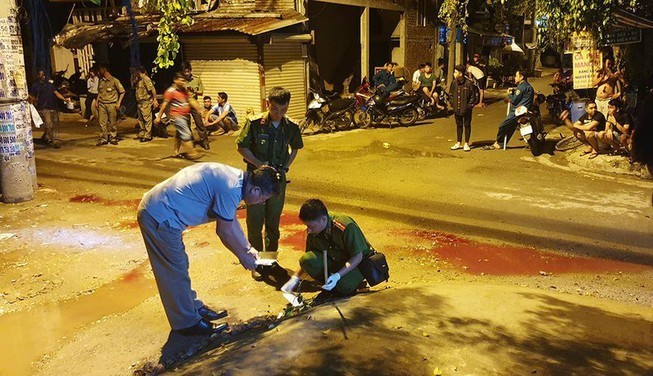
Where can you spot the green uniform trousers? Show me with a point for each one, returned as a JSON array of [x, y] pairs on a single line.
[[108, 116], [268, 213], [312, 263], [145, 119]]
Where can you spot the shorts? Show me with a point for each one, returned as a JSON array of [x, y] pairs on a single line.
[[182, 125], [482, 83]]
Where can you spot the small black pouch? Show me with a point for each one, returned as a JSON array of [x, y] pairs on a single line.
[[375, 268]]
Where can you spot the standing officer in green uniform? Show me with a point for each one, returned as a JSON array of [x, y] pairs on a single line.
[[145, 99], [110, 94], [271, 140], [195, 88], [344, 242]]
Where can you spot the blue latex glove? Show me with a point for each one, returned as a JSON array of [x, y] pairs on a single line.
[[331, 282]]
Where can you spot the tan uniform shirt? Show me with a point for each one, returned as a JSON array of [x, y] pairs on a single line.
[[144, 89], [195, 86], [109, 89]]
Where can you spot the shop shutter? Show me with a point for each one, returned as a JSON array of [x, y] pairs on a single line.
[[285, 66], [228, 67]]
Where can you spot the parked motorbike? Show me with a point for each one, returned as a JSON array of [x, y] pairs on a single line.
[[531, 129], [401, 108], [426, 110], [328, 113]]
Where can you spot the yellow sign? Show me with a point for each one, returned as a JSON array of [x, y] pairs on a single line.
[[587, 63]]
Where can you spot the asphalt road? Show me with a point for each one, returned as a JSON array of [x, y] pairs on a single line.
[[407, 175]]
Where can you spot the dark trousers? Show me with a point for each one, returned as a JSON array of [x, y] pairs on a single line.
[[88, 104], [463, 121], [507, 128], [268, 214], [199, 125]]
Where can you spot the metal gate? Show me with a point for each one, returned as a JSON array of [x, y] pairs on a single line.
[[229, 67], [286, 67]]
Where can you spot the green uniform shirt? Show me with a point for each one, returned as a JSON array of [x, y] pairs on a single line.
[[270, 144], [109, 89], [144, 89], [195, 86], [342, 239]]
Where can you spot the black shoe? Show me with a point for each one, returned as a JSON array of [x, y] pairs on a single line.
[[54, 145], [146, 139], [211, 315], [113, 141], [257, 275], [205, 145], [101, 142], [202, 328]]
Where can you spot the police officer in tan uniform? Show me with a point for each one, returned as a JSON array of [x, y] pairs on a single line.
[[110, 95], [145, 99], [196, 89]]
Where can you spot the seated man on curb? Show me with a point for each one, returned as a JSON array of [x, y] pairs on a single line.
[[222, 115], [587, 127], [618, 127], [344, 243]]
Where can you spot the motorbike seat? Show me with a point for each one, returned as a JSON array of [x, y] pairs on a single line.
[[403, 100]]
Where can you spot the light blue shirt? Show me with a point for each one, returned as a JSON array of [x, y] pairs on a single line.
[[197, 194], [226, 107]]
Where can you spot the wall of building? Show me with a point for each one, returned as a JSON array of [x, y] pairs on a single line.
[[420, 40]]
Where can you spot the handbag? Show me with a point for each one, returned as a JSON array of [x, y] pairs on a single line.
[[375, 268]]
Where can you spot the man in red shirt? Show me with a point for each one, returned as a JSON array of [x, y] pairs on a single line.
[[176, 101]]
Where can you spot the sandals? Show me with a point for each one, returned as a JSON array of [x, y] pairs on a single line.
[[593, 155], [489, 147]]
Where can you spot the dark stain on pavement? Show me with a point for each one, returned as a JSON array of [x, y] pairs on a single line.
[[93, 199], [479, 258]]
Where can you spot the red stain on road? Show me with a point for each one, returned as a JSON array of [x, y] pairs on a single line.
[[296, 239], [128, 224], [86, 199], [93, 199], [133, 275], [478, 258]]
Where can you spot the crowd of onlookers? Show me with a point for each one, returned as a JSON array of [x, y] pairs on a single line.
[[607, 123], [104, 101]]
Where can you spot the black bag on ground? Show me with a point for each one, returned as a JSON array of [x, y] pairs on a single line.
[[375, 268]]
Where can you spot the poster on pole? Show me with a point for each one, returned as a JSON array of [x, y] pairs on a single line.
[[586, 64]]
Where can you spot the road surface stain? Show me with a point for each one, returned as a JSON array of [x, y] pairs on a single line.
[[481, 258], [93, 199], [30, 335]]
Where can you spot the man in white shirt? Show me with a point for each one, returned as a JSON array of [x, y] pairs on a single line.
[[479, 78], [91, 94], [416, 75]]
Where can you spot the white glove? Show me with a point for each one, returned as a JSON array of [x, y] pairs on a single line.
[[331, 282], [290, 285]]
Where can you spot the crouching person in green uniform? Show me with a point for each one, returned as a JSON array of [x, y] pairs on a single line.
[[344, 242]]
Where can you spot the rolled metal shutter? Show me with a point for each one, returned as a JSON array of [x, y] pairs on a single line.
[[285, 67], [228, 67]]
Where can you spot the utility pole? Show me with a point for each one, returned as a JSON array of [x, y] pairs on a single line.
[[17, 166]]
